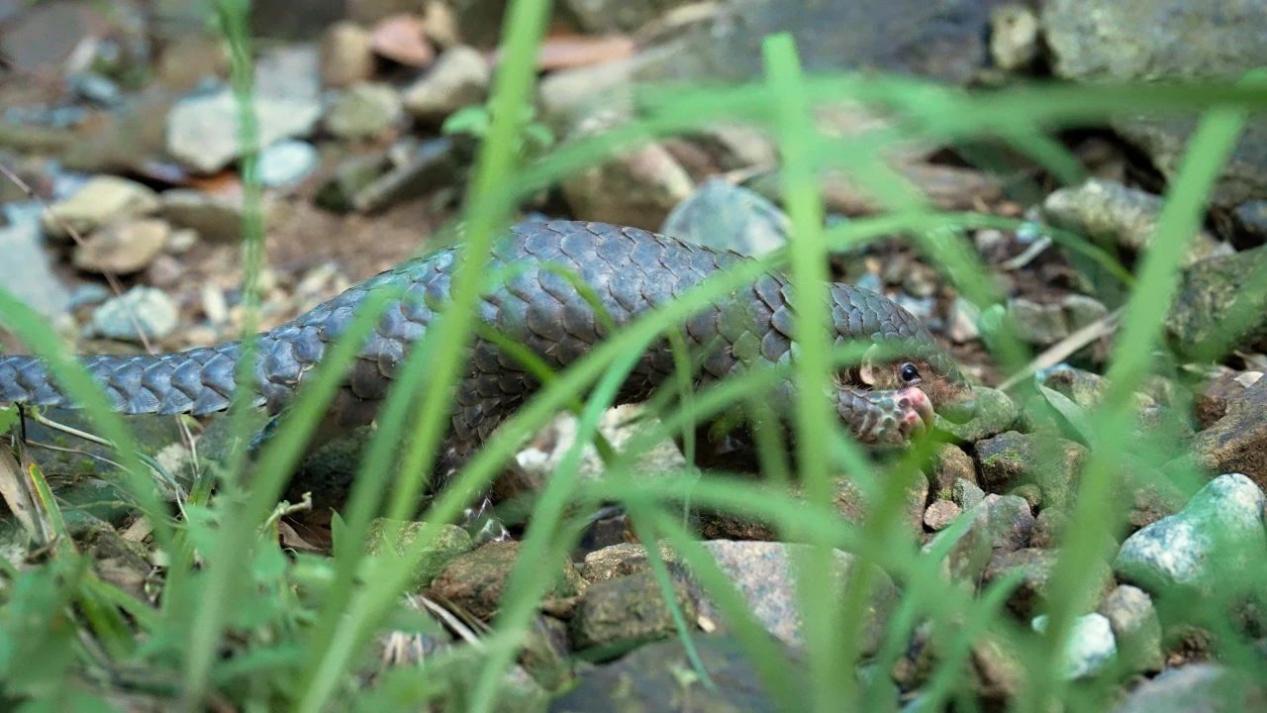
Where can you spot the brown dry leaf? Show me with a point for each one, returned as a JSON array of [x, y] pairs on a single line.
[[14, 491], [292, 539], [402, 39]]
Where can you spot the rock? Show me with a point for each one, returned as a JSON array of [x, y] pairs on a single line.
[[1038, 324], [568, 97], [638, 188], [287, 163], [1169, 40], [1238, 441], [944, 41], [966, 494], [763, 573], [951, 465], [1135, 627], [27, 268], [1224, 388], [364, 110], [403, 39], [964, 318], [1084, 388], [995, 414], [1081, 311], [1219, 532], [1195, 688], [353, 175], [654, 678], [202, 131], [999, 668], [1207, 292], [446, 542], [347, 54], [1049, 527], [148, 309], [1035, 567], [474, 580], [1090, 647], [452, 678], [100, 201], [1251, 219], [941, 514], [618, 561], [1012, 458], [1009, 520], [433, 164], [215, 218], [122, 248], [1013, 37], [851, 500], [626, 610], [727, 217], [1110, 211], [459, 78]]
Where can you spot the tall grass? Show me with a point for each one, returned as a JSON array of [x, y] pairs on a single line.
[[238, 622]]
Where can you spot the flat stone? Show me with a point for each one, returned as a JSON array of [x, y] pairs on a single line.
[[1219, 531], [122, 248], [727, 217], [141, 310], [287, 163], [27, 268], [1010, 459], [215, 218], [460, 77], [202, 131], [763, 573], [1208, 292], [1195, 688], [100, 201]]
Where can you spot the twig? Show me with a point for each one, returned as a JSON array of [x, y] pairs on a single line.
[[1061, 350]]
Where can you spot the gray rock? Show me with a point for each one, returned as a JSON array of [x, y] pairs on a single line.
[[963, 320], [350, 177], [996, 413], [100, 201], [460, 77], [1012, 458], [763, 573], [1219, 532], [945, 40], [1081, 311], [1135, 627], [140, 310], [202, 131], [1211, 290], [474, 580], [215, 218], [1038, 324], [951, 465], [1010, 521], [364, 110], [1195, 688], [638, 188], [347, 54], [1094, 40], [1013, 37], [728, 217], [1110, 211], [1251, 218], [123, 248], [1090, 648], [286, 163], [652, 679], [626, 610], [967, 494], [27, 268]]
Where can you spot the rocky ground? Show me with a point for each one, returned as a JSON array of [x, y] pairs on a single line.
[[123, 211]]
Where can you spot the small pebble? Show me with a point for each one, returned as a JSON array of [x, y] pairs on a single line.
[[940, 515]]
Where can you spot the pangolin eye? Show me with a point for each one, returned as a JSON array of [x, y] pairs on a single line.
[[909, 373]]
